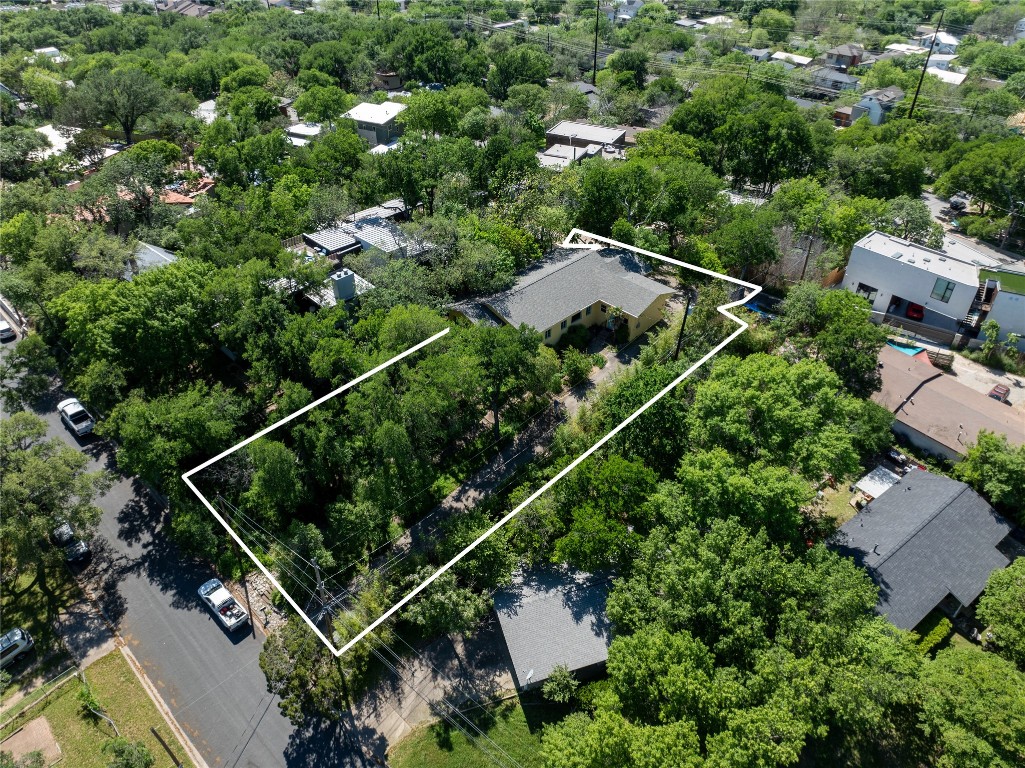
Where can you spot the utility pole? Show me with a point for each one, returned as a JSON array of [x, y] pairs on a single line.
[[379, 10], [597, 16], [925, 66], [321, 591], [811, 241], [683, 324]]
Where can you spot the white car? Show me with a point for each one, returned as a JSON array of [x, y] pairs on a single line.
[[219, 600], [6, 332], [76, 417]]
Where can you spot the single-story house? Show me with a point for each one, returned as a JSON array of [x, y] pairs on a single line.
[[950, 78], [824, 78], [51, 53], [843, 116], [577, 286], [928, 542], [387, 80], [790, 60], [906, 49], [551, 618], [690, 24], [574, 134], [59, 138], [942, 60], [376, 122], [206, 111], [342, 285], [716, 21], [757, 54], [934, 411]]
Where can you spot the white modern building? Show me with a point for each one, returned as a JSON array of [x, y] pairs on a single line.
[[376, 122], [916, 287], [1005, 297], [944, 42]]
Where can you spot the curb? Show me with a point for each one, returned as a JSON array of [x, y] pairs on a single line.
[[158, 702]]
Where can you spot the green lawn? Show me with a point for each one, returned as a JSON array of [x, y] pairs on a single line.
[[513, 727], [34, 606], [118, 690]]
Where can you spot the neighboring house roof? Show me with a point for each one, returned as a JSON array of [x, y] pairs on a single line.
[[889, 95], [550, 618], [953, 264], [877, 482], [793, 58], [147, 257], [825, 74], [382, 234], [906, 48], [332, 240], [389, 209], [570, 279], [926, 537], [585, 88], [714, 20], [375, 114], [938, 406], [803, 103], [847, 49], [59, 138], [942, 38], [476, 312], [688, 23], [951, 78], [592, 134]]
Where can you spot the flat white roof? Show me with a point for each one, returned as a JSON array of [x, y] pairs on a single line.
[[593, 134], [951, 78], [300, 130], [906, 48], [952, 265], [375, 114], [793, 58], [726, 20]]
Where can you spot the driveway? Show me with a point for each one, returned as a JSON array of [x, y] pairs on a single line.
[[936, 205], [210, 681]]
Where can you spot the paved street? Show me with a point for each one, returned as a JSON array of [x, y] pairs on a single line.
[[211, 681]]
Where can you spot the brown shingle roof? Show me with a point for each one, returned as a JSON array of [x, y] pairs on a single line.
[[937, 405]]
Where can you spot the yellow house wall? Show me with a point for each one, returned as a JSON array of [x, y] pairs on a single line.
[[648, 318]]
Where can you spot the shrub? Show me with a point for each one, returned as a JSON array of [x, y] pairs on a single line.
[[575, 365], [560, 686], [935, 636]]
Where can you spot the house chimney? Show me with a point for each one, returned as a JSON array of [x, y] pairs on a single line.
[[343, 284]]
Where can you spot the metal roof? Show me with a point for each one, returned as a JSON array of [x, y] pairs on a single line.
[[554, 617], [926, 537], [332, 240], [595, 134], [570, 279], [876, 482]]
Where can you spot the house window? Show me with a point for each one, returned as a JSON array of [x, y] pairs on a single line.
[[563, 325], [942, 289], [548, 333], [575, 317], [867, 292], [587, 311], [604, 308]]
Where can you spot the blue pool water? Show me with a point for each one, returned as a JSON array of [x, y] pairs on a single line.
[[905, 348]]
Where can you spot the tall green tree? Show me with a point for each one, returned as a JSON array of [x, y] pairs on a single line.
[[1002, 609]]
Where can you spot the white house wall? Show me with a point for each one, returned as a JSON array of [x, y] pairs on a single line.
[[1009, 312], [891, 277]]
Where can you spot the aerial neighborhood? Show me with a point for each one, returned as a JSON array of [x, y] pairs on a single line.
[[616, 384]]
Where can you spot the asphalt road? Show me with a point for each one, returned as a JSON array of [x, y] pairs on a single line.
[[210, 680]]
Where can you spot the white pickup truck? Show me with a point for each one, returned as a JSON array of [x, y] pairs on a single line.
[[219, 599]]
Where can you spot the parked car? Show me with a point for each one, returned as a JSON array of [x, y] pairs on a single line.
[[958, 203], [13, 645], [225, 608], [75, 549], [915, 311], [76, 417], [1000, 392], [6, 332]]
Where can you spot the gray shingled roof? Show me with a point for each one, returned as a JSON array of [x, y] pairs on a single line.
[[927, 536], [554, 617], [569, 279]]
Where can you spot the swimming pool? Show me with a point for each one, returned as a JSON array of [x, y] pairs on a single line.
[[907, 350]]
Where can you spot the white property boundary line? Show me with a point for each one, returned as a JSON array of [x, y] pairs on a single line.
[[568, 242]]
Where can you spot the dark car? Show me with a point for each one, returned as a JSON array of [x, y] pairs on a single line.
[[915, 311], [958, 204], [75, 549]]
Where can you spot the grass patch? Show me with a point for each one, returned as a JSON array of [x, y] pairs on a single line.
[[118, 690], [512, 725], [837, 504], [35, 606]]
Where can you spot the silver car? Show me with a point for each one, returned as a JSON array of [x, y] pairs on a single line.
[[6, 332], [76, 417]]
